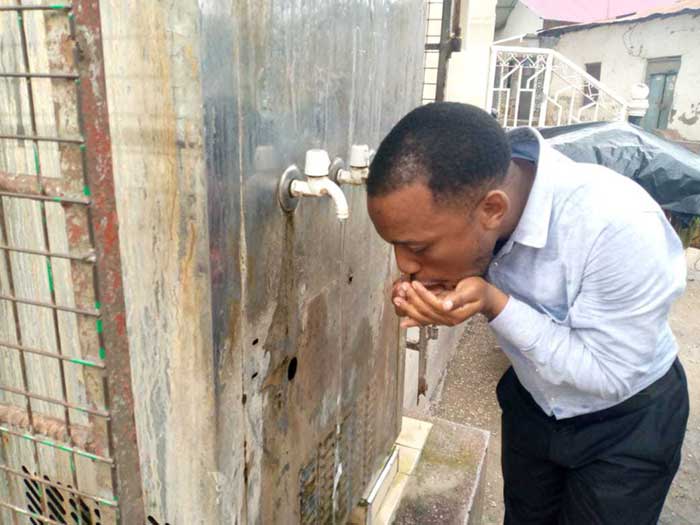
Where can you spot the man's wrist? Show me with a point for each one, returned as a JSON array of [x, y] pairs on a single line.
[[495, 302]]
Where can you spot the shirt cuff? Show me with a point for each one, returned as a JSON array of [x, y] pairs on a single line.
[[520, 324]]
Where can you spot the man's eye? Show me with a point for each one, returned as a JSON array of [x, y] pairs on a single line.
[[418, 249]]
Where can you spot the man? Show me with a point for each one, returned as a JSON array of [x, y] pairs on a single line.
[[575, 267]]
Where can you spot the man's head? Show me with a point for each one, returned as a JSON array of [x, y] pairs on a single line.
[[435, 191]]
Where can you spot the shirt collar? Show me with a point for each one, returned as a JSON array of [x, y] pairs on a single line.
[[533, 228]]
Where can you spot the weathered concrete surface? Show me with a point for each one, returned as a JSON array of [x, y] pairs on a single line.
[[268, 333], [446, 486]]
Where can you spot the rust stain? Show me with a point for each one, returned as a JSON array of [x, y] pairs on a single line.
[[98, 157], [76, 230], [120, 324], [109, 231], [55, 428]]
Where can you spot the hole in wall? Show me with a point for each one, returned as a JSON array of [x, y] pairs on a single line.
[[244, 399], [292, 368], [350, 278], [256, 341], [254, 375]]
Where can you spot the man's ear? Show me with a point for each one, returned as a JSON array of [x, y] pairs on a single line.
[[492, 209]]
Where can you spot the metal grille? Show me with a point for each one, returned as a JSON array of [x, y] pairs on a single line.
[[61, 506], [342, 462], [324, 484], [67, 449]]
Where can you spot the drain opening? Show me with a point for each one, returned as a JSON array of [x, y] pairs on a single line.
[[153, 521], [60, 506]]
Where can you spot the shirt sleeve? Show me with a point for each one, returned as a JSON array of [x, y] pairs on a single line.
[[614, 326]]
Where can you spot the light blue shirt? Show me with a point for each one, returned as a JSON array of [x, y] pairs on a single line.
[[591, 270]]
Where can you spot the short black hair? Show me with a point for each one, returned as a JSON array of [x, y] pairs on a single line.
[[456, 149]]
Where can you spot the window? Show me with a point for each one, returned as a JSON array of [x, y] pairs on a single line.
[[661, 79]]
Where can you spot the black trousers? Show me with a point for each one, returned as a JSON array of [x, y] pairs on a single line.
[[609, 467]]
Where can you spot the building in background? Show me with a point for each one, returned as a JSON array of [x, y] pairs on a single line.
[[658, 47], [619, 44], [515, 18]]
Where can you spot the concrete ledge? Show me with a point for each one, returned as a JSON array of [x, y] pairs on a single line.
[[447, 485]]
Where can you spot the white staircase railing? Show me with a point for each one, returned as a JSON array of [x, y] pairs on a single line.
[[539, 87]]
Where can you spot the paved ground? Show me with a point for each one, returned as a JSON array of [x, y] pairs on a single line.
[[468, 396]]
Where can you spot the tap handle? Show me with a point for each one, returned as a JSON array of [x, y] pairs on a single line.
[[317, 163], [359, 156]]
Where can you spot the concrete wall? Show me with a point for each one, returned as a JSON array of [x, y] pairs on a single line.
[[624, 49], [159, 169], [522, 20]]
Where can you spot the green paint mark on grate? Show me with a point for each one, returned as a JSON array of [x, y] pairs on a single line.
[[83, 147], [97, 305], [28, 513], [59, 6], [57, 199], [49, 271], [86, 190], [83, 362], [98, 325], [87, 455], [103, 353], [108, 502], [37, 164]]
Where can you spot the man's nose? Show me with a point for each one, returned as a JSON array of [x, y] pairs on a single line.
[[406, 261]]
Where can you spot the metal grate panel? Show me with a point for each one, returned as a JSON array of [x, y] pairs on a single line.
[[67, 452], [343, 461], [63, 506]]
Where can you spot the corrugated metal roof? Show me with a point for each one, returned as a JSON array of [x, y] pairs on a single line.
[[677, 8], [588, 11]]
